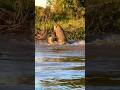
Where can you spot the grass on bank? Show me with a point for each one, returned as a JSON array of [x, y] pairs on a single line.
[[66, 24], [74, 29]]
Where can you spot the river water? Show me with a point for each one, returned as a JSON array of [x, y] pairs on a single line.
[[59, 67]]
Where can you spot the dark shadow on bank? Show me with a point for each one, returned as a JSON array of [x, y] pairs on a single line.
[[16, 45], [102, 48]]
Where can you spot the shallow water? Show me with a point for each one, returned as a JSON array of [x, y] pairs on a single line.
[[59, 68]]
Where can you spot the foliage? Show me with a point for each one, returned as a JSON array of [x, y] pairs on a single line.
[[102, 16], [70, 8], [69, 13], [74, 29]]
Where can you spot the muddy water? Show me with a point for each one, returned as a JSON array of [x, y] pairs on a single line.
[[59, 67], [16, 65]]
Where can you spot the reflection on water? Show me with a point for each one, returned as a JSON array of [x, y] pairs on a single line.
[[59, 70]]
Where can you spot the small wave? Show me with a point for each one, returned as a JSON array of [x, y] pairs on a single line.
[[82, 42], [79, 43]]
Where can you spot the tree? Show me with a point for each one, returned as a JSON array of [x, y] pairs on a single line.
[[70, 8]]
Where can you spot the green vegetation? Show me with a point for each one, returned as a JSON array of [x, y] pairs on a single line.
[[102, 17], [17, 16], [69, 13]]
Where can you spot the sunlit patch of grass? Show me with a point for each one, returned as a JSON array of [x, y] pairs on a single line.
[[73, 24], [66, 24], [44, 25], [73, 29]]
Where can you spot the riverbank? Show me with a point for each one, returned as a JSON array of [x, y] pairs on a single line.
[[71, 31]]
